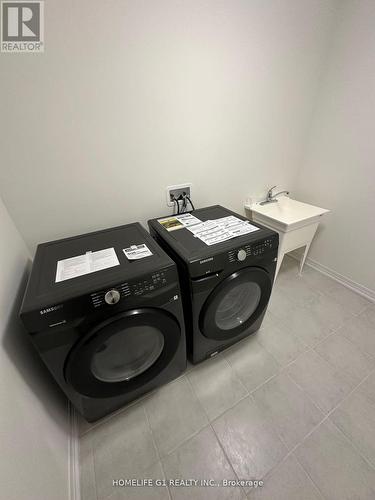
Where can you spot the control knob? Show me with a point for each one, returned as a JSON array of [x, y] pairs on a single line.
[[241, 255], [112, 296]]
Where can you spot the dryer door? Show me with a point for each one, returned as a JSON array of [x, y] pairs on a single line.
[[235, 303], [123, 353]]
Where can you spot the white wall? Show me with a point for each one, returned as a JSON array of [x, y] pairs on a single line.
[[339, 167], [33, 417], [132, 96]]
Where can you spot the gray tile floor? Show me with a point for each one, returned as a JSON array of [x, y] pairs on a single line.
[[293, 405]]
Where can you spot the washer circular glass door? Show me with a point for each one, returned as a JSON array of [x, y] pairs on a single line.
[[235, 303], [127, 353], [123, 352], [238, 305]]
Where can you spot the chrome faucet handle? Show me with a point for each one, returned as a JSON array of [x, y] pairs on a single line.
[[269, 192]]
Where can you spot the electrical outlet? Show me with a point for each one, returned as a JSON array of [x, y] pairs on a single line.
[[176, 191]]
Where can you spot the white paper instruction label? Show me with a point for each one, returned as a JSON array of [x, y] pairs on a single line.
[[137, 252], [218, 230], [178, 221], [87, 263], [188, 219]]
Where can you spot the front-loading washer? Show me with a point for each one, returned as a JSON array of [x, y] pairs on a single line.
[[225, 286], [104, 312]]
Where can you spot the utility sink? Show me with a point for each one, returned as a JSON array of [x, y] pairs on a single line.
[[296, 223], [286, 214]]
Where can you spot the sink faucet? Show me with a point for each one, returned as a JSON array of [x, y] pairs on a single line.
[[272, 198]]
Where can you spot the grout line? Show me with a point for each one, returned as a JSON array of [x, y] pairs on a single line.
[[236, 376], [217, 437], [279, 464], [232, 347], [328, 414], [369, 306], [338, 333], [234, 404], [230, 407], [162, 456], [332, 332], [260, 345], [326, 417], [283, 368], [311, 479], [274, 429], [338, 372], [347, 439], [157, 449], [142, 470], [172, 450], [353, 445], [307, 348], [321, 341], [255, 339], [265, 382], [282, 326], [272, 425], [151, 432], [184, 441], [364, 309], [307, 397], [370, 357]]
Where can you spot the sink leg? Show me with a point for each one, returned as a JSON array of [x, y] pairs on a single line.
[[278, 264], [280, 253], [301, 264]]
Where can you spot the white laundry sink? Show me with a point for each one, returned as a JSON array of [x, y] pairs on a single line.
[[296, 223], [286, 214]]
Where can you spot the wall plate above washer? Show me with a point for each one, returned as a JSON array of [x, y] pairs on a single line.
[[176, 191]]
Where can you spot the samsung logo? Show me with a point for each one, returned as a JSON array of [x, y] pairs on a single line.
[[51, 309], [206, 260]]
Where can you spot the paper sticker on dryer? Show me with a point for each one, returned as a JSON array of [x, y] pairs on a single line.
[[135, 252], [87, 263]]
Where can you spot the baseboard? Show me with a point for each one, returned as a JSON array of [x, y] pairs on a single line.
[[73, 460], [343, 280]]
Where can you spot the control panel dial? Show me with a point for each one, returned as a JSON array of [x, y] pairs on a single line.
[[112, 296], [241, 255]]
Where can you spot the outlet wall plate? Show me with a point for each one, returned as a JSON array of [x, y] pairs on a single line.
[[177, 190]]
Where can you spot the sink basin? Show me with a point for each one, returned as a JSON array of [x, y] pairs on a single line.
[[286, 214], [296, 223]]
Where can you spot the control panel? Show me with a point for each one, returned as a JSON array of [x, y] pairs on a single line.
[[261, 247], [113, 295], [254, 249]]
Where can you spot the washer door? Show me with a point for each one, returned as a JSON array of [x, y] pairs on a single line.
[[123, 353], [235, 303]]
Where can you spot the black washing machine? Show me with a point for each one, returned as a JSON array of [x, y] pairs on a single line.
[[225, 286], [104, 312]]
